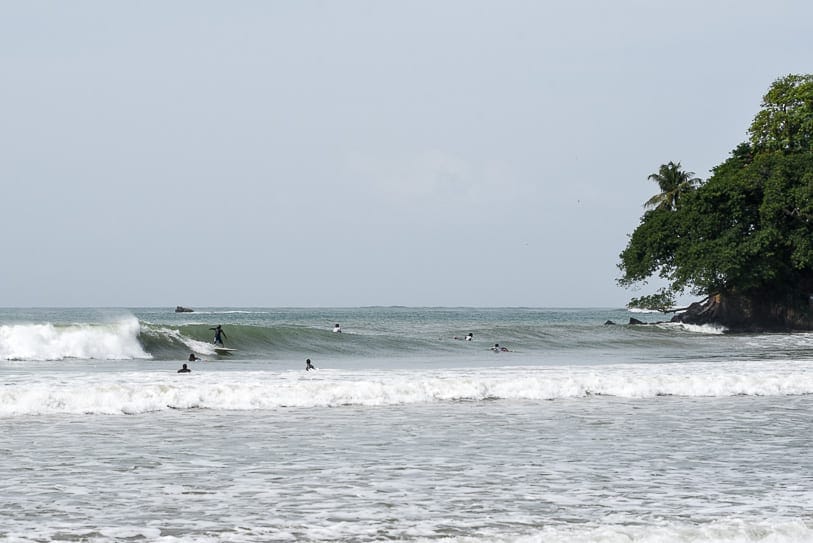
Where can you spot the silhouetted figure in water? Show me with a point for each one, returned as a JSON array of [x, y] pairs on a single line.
[[308, 365], [192, 358], [184, 369], [337, 328]]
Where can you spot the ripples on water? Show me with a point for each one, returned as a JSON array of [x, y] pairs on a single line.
[[482, 470], [584, 433]]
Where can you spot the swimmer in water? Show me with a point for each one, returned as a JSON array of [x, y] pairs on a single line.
[[184, 369], [308, 365]]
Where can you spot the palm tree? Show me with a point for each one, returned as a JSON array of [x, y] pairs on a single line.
[[674, 183]]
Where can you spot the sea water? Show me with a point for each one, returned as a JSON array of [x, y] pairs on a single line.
[[583, 431]]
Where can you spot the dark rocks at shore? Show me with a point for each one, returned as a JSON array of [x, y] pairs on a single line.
[[632, 321], [751, 314], [182, 309]]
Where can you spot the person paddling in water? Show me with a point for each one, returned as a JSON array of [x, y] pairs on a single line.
[[219, 335]]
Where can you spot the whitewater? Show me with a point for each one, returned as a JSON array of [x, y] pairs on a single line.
[[588, 429]]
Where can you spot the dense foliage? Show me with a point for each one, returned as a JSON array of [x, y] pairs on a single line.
[[748, 230]]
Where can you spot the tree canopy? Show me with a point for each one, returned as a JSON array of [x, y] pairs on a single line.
[[749, 228], [785, 122]]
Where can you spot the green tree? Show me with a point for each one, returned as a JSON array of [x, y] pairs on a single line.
[[674, 184], [746, 235], [785, 122], [663, 301]]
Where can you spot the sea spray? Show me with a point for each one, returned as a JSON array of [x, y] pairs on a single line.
[[117, 340], [142, 392]]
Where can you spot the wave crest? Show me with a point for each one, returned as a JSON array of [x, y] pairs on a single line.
[[113, 341], [131, 393]]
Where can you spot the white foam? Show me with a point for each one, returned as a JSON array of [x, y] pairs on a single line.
[[140, 392], [114, 341], [200, 347], [727, 530], [721, 531], [713, 329]]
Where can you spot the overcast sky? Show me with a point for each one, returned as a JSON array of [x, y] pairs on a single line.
[[352, 153]]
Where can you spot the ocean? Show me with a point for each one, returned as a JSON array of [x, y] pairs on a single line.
[[582, 431]]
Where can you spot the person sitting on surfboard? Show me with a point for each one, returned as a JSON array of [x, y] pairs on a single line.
[[308, 365], [184, 369], [219, 335], [337, 329]]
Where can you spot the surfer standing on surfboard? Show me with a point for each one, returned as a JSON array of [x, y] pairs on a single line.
[[219, 335]]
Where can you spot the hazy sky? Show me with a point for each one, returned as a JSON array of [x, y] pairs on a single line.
[[351, 153]]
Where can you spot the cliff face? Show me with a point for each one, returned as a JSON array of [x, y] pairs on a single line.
[[754, 313]]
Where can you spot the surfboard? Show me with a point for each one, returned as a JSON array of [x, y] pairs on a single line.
[[224, 350]]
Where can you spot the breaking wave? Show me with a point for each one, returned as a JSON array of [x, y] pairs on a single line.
[[140, 392], [118, 340]]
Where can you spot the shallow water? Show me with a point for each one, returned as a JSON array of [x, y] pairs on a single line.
[[676, 442]]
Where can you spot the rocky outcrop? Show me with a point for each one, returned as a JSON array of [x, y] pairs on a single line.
[[754, 313], [182, 309]]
